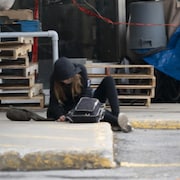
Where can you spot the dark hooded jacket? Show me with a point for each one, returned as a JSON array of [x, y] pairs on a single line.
[[57, 109]]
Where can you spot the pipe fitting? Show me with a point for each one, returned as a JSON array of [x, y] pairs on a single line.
[[50, 33]]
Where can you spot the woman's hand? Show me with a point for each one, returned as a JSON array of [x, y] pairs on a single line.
[[61, 119]]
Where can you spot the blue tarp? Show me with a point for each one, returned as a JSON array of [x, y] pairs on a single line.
[[168, 60]]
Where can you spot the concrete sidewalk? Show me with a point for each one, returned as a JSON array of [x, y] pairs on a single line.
[[43, 145]]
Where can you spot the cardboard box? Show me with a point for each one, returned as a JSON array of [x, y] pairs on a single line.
[[20, 14]]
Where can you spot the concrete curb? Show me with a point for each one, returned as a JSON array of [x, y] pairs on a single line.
[[45, 146]]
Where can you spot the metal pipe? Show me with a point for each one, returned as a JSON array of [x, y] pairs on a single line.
[[50, 33]]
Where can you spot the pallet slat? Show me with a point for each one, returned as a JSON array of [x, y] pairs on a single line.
[[128, 86], [17, 40], [35, 90], [127, 76], [36, 102]]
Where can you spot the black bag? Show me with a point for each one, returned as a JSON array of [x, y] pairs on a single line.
[[16, 114], [87, 110], [19, 114]]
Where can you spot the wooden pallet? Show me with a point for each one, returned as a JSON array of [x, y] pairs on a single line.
[[21, 61], [36, 102], [19, 70], [35, 90], [14, 51], [18, 74], [135, 86], [16, 82]]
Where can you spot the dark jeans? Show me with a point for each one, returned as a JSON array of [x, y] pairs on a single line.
[[107, 91]]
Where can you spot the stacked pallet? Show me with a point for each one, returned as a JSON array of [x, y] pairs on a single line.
[[135, 83], [18, 85]]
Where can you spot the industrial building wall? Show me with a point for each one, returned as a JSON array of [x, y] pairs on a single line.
[[82, 35], [90, 37]]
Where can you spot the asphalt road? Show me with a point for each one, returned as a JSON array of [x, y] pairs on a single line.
[[141, 155]]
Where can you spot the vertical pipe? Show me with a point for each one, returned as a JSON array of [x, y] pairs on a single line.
[[55, 48], [121, 33], [35, 45]]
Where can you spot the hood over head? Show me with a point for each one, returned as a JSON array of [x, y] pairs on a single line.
[[65, 69]]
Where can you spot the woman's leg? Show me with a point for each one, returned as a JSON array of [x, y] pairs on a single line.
[[119, 123], [107, 91], [110, 118]]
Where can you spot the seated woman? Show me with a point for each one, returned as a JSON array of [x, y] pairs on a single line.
[[69, 82]]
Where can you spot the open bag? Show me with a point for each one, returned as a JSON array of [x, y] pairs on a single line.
[[87, 110]]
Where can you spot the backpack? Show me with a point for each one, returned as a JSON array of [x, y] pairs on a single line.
[[87, 110]]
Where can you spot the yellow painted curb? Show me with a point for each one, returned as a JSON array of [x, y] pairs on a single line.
[[126, 164], [53, 160], [156, 124]]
